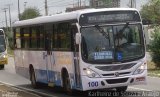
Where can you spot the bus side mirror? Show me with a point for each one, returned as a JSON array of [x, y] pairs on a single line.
[[78, 38]]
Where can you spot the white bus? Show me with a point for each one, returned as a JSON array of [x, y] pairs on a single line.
[[82, 50], [3, 50]]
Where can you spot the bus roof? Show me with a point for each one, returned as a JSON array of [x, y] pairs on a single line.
[[65, 16]]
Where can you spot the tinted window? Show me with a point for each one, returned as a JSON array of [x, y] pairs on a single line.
[[17, 38], [40, 37], [25, 37], [63, 36], [34, 33]]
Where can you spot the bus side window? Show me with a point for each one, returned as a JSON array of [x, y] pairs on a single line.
[[54, 40], [17, 38], [33, 37], [25, 38], [14, 38], [74, 46], [40, 37], [64, 37], [48, 36], [47, 42]]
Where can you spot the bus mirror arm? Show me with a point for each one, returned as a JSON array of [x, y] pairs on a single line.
[[78, 38]]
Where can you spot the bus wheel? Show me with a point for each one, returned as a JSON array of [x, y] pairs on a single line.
[[121, 89], [33, 79], [66, 84], [1, 66]]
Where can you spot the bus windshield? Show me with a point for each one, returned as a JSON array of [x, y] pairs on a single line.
[[113, 43], [2, 43]]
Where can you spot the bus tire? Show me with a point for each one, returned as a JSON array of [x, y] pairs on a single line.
[[121, 89], [66, 83], [2, 66], [33, 79]]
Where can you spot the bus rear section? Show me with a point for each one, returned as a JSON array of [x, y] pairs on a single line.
[[3, 50]]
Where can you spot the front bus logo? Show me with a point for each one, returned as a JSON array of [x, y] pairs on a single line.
[[116, 74]]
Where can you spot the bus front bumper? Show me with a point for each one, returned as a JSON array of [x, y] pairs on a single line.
[[104, 83]]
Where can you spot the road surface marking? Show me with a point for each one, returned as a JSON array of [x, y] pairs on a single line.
[[140, 89], [18, 87]]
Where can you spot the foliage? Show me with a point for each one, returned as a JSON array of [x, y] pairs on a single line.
[[155, 46], [151, 11], [29, 13], [9, 37]]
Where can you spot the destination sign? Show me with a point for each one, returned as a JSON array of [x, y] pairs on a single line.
[[108, 17]]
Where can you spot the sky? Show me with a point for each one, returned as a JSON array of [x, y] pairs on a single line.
[[54, 6]]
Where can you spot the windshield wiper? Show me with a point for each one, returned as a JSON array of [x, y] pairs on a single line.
[[102, 31], [120, 33], [125, 26], [105, 34]]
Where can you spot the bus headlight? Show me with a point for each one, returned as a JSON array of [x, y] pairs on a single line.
[[90, 73], [4, 56], [140, 69]]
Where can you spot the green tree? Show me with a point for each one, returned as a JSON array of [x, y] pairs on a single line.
[[155, 46], [30, 13], [151, 11]]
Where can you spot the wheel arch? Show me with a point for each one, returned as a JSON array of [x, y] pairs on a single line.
[[64, 71], [31, 69]]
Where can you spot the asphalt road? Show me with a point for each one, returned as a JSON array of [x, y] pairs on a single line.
[[9, 91], [10, 81]]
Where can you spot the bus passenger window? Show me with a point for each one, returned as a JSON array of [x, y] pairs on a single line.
[[74, 46], [64, 37], [41, 37], [48, 45], [17, 38], [33, 37], [26, 38]]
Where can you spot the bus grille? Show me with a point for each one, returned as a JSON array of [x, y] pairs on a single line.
[[115, 81], [115, 67], [120, 74]]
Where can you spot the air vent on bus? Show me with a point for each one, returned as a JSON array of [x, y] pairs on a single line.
[[115, 81], [115, 67], [120, 74]]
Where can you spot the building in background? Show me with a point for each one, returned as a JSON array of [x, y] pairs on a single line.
[[96, 4], [132, 3], [104, 3], [69, 9]]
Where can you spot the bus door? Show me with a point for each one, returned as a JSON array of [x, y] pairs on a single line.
[[49, 58]]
